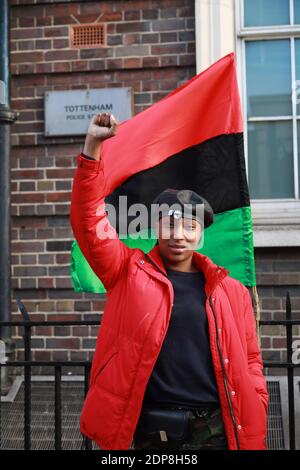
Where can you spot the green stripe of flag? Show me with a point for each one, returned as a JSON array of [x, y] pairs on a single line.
[[228, 242]]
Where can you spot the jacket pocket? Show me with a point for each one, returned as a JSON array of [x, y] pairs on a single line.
[[104, 362], [251, 410]]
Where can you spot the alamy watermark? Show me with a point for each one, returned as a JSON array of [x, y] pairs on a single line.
[[138, 221], [296, 352]]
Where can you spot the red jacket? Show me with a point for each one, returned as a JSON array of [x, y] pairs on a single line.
[[135, 322]]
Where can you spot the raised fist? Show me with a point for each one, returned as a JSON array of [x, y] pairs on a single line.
[[103, 126]]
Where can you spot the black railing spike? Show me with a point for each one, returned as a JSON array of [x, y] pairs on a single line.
[[288, 306], [23, 310]]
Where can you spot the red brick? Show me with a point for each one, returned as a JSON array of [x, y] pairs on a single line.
[[20, 104], [23, 69], [59, 197], [27, 139], [28, 283], [43, 21], [63, 20], [46, 259], [26, 22], [27, 247], [61, 55], [188, 10], [62, 209], [114, 64], [58, 173], [28, 259], [168, 12], [60, 355], [42, 330], [23, 127], [42, 355], [279, 343], [46, 283], [34, 10], [26, 45], [63, 283], [80, 330], [96, 53], [135, 50], [63, 10], [150, 62], [132, 27], [132, 15], [28, 271], [63, 343], [95, 9], [62, 330], [112, 16], [44, 43], [62, 258], [60, 43], [33, 81], [111, 28], [150, 14], [168, 49], [114, 40], [26, 33], [133, 62], [131, 38], [168, 25], [61, 67], [191, 48], [26, 92], [44, 68], [33, 222], [79, 356], [56, 31], [150, 38]]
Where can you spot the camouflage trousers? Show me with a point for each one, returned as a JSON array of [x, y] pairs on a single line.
[[206, 433]]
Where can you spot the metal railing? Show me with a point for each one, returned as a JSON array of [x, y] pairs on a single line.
[[289, 364], [28, 363]]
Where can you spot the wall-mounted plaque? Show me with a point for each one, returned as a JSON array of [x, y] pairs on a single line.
[[69, 112]]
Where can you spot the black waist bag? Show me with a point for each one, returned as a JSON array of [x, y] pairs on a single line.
[[166, 424]]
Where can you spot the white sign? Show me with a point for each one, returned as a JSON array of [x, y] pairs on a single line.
[[69, 112]]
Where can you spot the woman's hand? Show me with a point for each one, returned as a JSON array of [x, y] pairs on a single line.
[[102, 127]]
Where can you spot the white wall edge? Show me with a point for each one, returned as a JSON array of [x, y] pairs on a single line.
[[267, 236]]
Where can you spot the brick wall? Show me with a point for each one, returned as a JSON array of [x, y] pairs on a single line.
[[150, 47], [278, 271]]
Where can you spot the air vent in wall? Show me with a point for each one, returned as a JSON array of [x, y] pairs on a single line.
[[87, 35]]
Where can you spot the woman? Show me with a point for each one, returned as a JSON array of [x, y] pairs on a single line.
[[177, 363]]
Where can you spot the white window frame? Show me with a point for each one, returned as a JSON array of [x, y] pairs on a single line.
[[270, 213], [219, 31]]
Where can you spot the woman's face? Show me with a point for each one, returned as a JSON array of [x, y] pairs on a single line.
[[178, 238]]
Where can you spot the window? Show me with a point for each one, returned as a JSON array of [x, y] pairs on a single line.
[[266, 12], [269, 36]]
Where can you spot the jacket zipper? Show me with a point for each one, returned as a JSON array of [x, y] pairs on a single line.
[[225, 376]]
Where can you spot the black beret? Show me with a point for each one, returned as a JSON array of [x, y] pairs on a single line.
[[185, 196]]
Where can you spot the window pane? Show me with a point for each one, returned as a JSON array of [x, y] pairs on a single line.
[[268, 71], [270, 159], [297, 42], [266, 12], [297, 11]]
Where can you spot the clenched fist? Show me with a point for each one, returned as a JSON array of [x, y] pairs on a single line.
[[102, 127]]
